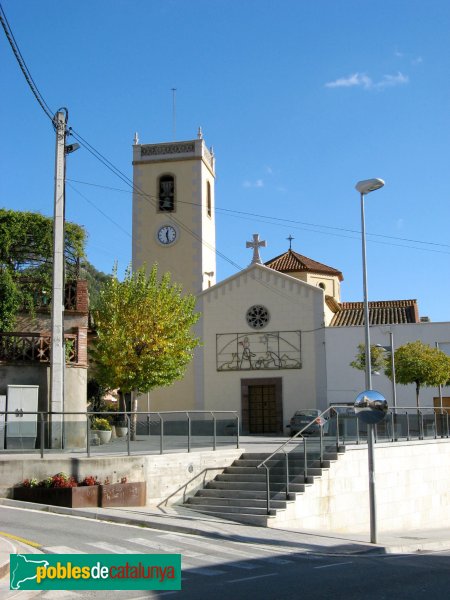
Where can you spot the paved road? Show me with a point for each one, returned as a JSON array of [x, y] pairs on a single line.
[[222, 569]]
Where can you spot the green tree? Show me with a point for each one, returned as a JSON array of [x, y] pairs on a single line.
[[26, 260], [144, 338], [95, 279], [421, 364], [9, 300], [378, 358]]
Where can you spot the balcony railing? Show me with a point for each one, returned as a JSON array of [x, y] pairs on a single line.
[[34, 347], [42, 298]]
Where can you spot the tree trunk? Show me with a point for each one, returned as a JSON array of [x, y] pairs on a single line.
[[122, 406], [417, 394], [133, 417]]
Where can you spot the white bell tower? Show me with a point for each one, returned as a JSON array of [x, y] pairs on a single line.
[[173, 211]]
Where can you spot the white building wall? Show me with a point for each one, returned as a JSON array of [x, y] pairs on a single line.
[[344, 383], [293, 305]]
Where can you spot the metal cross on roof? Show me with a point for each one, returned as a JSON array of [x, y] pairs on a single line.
[[256, 244], [290, 238]]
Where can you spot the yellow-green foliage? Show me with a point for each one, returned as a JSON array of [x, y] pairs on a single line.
[[377, 358], [144, 338], [421, 364], [99, 424]]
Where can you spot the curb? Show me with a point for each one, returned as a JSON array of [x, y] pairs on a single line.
[[358, 547], [4, 556], [16, 547], [435, 546]]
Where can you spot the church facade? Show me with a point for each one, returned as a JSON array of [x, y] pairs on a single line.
[[276, 337]]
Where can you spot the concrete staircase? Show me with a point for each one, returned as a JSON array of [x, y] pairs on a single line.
[[239, 493]]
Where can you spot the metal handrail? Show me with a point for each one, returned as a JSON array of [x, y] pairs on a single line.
[[299, 433], [44, 417], [300, 437]]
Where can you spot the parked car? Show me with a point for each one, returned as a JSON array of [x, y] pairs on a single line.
[[301, 418]]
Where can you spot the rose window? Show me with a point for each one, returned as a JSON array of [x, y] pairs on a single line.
[[257, 316]]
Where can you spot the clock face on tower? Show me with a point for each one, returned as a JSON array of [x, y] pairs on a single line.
[[167, 234]]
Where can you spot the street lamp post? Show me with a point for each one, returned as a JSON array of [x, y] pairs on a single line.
[[391, 349], [365, 187]]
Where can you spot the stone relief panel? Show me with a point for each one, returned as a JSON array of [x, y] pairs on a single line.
[[258, 351]]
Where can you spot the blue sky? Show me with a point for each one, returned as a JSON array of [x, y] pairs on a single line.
[[300, 99]]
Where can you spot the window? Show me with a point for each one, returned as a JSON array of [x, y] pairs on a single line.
[[322, 286], [208, 198], [166, 193], [257, 316]]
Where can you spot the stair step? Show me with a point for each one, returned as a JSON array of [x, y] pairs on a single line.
[[293, 468], [239, 492], [226, 508], [253, 486], [229, 510], [274, 477], [257, 520], [238, 502], [244, 494], [292, 451]]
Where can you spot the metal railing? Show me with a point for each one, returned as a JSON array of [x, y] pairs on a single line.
[[34, 347], [336, 427], [146, 432]]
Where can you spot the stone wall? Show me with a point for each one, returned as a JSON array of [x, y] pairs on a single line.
[[168, 476], [412, 491]]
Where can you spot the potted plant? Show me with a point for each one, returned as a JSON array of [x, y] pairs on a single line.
[[59, 490], [120, 425], [102, 428]]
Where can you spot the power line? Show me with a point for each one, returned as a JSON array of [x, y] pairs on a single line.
[[151, 199], [106, 162], [292, 223], [23, 66], [99, 209]]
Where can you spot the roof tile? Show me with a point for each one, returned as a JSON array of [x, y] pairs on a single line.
[[291, 262], [382, 312]]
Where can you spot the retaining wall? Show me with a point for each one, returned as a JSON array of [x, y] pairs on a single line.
[[412, 491], [168, 476]]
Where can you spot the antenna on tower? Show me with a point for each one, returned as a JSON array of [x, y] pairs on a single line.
[[174, 113]]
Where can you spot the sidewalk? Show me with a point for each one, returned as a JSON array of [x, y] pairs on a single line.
[[9, 545], [182, 520]]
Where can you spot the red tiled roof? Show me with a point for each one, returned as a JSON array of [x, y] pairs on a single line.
[[291, 262], [383, 312]]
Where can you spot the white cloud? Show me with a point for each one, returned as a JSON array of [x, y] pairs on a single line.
[[417, 61], [269, 170], [392, 80], [364, 81], [357, 79], [259, 183]]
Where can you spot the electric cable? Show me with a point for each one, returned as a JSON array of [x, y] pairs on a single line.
[[23, 66], [291, 222]]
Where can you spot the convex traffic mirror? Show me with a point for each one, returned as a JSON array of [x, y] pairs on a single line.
[[371, 407]]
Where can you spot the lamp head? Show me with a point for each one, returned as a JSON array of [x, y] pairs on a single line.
[[369, 185]]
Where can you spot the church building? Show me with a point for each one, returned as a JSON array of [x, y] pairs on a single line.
[[265, 330]]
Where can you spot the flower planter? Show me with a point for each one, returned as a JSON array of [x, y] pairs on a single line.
[[121, 431], [123, 494], [75, 497], [104, 435]]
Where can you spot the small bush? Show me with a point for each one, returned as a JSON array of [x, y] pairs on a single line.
[[100, 424]]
